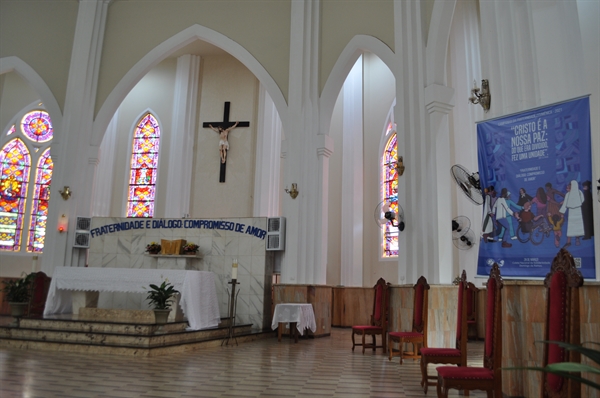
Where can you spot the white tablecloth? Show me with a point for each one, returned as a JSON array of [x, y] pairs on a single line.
[[197, 288], [302, 314]]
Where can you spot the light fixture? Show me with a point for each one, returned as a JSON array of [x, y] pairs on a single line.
[[481, 96], [294, 191], [62, 224], [400, 166], [65, 193]]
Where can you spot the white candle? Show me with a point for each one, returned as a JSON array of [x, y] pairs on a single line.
[[234, 269]]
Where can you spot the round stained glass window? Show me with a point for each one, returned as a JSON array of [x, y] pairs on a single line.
[[37, 126]]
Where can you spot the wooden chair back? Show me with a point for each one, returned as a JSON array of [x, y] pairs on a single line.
[[562, 323], [461, 318], [492, 356], [419, 323], [38, 294], [471, 295], [379, 316]]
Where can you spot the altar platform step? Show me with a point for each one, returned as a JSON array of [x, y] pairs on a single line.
[[69, 333]]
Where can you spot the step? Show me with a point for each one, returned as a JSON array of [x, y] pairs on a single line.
[[133, 351], [160, 336]]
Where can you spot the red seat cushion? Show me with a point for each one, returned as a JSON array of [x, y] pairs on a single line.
[[405, 334], [465, 372], [440, 352], [367, 328]]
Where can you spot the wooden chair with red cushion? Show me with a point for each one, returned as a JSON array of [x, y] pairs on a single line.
[[488, 377], [562, 323], [379, 320], [451, 356], [472, 293], [38, 294], [418, 335]]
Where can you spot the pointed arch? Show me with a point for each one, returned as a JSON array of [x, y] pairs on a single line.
[[15, 64], [160, 52], [355, 47], [437, 41]]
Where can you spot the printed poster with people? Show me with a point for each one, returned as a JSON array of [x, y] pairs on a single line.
[[536, 175]]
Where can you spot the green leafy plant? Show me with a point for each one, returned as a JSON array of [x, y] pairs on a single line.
[[159, 296], [18, 291], [569, 370]]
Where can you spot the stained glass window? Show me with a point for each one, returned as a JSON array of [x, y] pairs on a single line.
[[37, 126], [15, 164], [41, 196], [144, 168], [390, 194], [11, 130]]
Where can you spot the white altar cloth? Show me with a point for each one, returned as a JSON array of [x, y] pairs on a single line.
[[302, 314], [197, 288]]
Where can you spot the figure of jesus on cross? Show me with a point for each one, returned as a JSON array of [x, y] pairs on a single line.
[[223, 142], [223, 128]]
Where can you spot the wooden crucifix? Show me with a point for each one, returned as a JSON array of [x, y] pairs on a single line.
[[223, 128]]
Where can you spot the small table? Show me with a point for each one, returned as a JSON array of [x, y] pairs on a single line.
[[299, 316]]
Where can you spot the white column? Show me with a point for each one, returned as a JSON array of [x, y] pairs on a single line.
[[267, 189], [305, 255], [104, 181], [183, 129], [508, 56], [417, 192], [352, 178], [71, 150], [439, 101], [464, 63]]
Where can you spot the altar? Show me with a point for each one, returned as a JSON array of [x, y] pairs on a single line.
[[197, 289], [122, 243]]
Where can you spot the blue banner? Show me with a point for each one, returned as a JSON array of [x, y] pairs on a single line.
[[535, 171]]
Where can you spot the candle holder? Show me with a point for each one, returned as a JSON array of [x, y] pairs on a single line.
[[232, 304]]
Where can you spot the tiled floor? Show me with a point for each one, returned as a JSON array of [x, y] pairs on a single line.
[[322, 367]]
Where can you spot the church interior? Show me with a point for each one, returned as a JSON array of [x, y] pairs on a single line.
[[281, 156]]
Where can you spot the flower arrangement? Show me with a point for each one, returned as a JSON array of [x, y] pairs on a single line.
[[190, 248], [153, 248], [159, 296]]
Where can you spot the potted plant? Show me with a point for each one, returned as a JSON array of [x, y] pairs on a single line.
[[160, 297], [190, 248], [17, 293], [153, 248], [573, 370]]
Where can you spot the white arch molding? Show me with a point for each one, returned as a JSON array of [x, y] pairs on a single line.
[[169, 46], [17, 65], [354, 49]]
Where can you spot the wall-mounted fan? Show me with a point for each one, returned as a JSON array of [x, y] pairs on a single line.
[[465, 242], [468, 183], [460, 226], [462, 234], [389, 212]]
